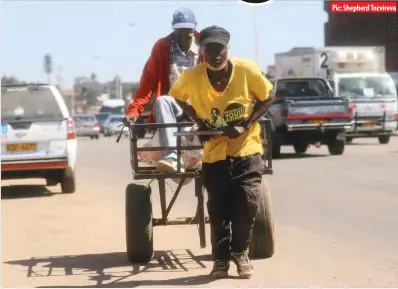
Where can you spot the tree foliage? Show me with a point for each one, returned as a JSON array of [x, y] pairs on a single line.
[[7, 80]]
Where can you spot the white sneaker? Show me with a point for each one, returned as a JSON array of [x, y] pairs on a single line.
[[168, 165]]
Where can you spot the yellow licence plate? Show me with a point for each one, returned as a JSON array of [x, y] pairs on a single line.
[[317, 121], [369, 124], [21, 147]]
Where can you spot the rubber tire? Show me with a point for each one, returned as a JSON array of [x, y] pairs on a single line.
[[276, 140], [97, 137], [68, 182], [141, 133], [139, 229], [336, 147], [262, 242], [348, 140], [300, 148], [51, 182], [91, 137], [384, 139]]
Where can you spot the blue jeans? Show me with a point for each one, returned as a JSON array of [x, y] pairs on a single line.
[[166, 110]]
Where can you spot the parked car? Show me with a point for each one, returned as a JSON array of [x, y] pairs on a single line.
[[101, 117], [112, 124], [87, 125], [38, 135]]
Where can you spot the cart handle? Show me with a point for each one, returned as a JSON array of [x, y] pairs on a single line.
[[198, 133], [123, 126]]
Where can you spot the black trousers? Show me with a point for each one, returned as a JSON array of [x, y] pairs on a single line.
[[233, 186]]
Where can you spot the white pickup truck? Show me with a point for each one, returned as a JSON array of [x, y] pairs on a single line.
[[357, 73]]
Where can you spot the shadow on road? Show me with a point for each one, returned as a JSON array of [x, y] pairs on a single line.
[[24, 191], [114, 270], [289, 156]]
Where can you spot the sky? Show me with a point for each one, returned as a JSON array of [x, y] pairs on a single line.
[[116, 37]]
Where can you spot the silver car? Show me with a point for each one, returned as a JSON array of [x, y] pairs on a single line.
[[87, 126], [112, 124]]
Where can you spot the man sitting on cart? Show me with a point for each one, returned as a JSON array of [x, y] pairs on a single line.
[[232, 163], [169, 57]]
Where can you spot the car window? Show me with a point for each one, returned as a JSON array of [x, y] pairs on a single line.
[[292, 88], [84, 118], [115, 119], [102, 117], [33, 103]]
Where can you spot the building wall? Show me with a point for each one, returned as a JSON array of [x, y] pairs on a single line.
[[368, 29]]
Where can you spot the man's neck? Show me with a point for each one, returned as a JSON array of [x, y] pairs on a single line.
[[186, 44]]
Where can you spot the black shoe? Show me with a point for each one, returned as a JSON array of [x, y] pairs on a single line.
[[245, 268], [220, 269]]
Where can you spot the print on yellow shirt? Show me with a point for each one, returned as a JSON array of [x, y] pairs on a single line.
[[230, 107]]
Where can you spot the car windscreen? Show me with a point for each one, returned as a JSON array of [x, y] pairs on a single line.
[[115, 120], [367, 87], [300, 88], [112, 110], [102, 117], [84, 118], [31, 103]]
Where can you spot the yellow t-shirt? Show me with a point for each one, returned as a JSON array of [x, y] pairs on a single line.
[[217, 109]]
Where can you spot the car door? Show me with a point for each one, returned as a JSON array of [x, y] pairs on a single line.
[[33, 125]]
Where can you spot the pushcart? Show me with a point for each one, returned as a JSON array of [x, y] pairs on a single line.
[[139, 212]]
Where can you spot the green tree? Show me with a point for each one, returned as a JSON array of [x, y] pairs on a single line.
[[7, 80]]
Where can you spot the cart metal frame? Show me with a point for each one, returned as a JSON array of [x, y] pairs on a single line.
[[141, 172]]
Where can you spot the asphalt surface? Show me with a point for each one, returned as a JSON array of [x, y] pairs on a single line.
[[336, 225]]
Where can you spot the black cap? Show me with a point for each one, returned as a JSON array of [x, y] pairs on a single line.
[[214, 34]]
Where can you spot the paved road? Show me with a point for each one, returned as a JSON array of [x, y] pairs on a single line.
[[337, 221]]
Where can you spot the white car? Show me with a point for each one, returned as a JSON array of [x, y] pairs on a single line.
[[38, 136]]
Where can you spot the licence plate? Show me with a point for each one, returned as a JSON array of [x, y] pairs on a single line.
[[317, 121], [21, 147], [86, 126], [369, 124]]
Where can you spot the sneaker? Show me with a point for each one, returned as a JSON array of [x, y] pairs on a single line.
[[168, 165], [220, 269], [245, 268]]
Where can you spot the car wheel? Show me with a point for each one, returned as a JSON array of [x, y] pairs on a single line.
[[384, 139], [51, 182], [68, 183]]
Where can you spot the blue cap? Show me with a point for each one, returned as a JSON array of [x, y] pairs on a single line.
[[183, 18]]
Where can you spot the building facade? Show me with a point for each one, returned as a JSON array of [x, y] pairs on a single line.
[[364, 29]]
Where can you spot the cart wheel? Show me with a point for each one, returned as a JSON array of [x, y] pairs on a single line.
[[384, 139], [276, 146], [139, 230], [262, 242]]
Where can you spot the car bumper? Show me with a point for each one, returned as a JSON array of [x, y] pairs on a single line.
[[87, 132], [34, 164], [319, 127], [366, 129]]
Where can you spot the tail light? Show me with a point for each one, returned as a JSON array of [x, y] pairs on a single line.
[[382, 106], [351, 108], [396, 116], [284, 112], [96, 125], [71, 130]]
